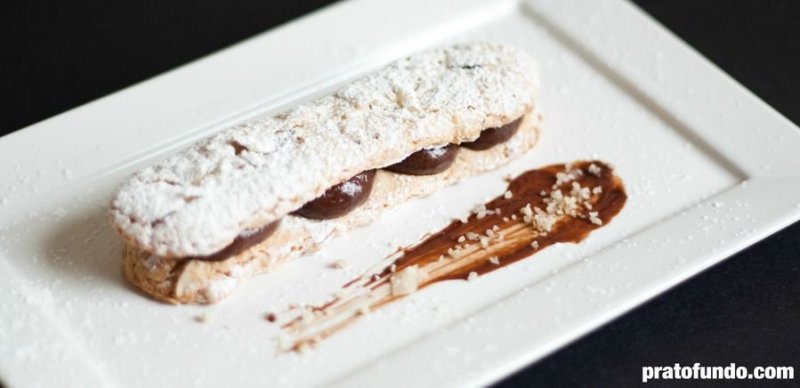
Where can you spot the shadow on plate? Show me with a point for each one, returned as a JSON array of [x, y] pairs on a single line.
[[83, 249]]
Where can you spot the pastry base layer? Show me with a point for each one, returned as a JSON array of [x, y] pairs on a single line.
[[197, 281]]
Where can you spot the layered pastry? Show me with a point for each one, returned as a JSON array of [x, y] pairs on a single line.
[[255, 195]]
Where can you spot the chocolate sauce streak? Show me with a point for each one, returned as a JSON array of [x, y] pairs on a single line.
[[554, 204], [340, 199], [494, 136], [525, 189], [244, 241], [427, 162]]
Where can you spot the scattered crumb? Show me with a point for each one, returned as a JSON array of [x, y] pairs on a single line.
[[594, 170], [406, 281], [484, 242], [593, 218], [454, 253], [339, 264], [567, 176], [480, 211], [271, 317], [201, 318]]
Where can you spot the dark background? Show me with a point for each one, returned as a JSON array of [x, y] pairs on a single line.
[[57, 55]]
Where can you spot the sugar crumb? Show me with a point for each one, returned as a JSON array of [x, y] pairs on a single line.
[[406, 281], [595, 170], [593, 218], [338, 264]]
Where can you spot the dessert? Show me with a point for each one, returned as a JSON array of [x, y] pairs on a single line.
[[243, 201]]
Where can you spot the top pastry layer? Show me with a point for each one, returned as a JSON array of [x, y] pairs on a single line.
[[195, 203]]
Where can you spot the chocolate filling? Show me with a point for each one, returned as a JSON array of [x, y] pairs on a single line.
[[427, 162], [340, 199], [243, 241], [346, 196], [494, 136]]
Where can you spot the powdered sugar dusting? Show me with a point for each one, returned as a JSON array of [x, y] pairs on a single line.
[[435, 152], [351, 188], [197, 201]]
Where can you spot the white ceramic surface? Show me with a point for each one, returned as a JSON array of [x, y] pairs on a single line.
[[709, 168]]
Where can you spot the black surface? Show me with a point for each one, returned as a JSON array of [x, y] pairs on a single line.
[[57, 55]]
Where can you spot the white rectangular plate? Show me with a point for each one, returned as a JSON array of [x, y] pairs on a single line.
[[709, 168]]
